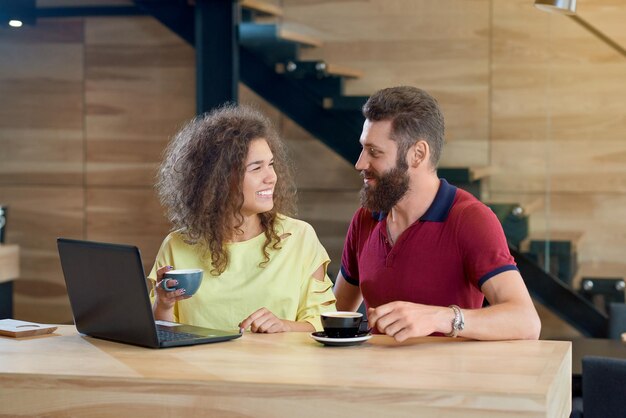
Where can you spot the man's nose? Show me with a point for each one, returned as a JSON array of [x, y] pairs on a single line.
[[362, 163]]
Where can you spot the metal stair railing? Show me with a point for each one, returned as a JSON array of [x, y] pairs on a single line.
[[561, 299]]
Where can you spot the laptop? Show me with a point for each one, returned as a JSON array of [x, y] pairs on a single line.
[[108, 293]]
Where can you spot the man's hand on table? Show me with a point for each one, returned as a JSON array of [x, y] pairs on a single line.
[[403, 320]]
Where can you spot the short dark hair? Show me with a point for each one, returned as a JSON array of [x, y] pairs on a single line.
[[200, 179], [414, 115]]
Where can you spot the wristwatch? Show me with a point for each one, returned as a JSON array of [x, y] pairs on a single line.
[[458, 323]]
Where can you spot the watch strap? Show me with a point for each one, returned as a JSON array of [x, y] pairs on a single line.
[[458, 322]]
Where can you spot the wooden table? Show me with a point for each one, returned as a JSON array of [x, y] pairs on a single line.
[[284, 375]]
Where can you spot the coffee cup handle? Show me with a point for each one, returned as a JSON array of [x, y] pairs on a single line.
[[164, 285]]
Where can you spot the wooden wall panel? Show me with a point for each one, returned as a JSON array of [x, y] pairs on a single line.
[[37, 216], [558, 121], [607, 15], [137, 80], [329, 212], [250, 98], [41, 157], [441, 46], [41, 116], [139, 91], [576, 166], [326, 170], [127, 215]]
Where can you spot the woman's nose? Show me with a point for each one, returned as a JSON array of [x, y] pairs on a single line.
[[271, 176]]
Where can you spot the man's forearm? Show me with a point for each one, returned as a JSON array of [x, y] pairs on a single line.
[[505, 321]]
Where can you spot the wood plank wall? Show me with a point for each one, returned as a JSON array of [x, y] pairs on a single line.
[[559, 121], [42, 156], [88, 105], [440, 46]]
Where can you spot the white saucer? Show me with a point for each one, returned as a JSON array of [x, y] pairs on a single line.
[[321, 337]]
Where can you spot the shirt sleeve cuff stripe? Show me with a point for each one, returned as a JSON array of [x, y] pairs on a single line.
[[353, 282], [495, 272]]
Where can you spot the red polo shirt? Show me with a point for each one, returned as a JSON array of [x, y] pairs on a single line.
[[441, 259]]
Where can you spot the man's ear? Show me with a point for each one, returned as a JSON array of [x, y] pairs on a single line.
[[418, 153]]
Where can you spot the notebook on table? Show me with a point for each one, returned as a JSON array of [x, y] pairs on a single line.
[[108, 293]]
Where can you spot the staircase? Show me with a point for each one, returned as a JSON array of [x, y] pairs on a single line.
[[261, 53], [308, 92]]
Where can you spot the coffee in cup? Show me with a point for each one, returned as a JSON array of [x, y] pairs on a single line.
[[188, 279], [341, 324]]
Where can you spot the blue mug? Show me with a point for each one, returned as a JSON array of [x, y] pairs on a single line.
[[188, 279]]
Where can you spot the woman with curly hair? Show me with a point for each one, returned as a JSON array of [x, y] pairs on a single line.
[[227, 187]]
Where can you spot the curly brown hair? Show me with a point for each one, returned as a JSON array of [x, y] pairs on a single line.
[[201, 177]]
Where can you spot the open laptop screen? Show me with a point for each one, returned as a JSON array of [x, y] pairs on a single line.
[[108, 293]]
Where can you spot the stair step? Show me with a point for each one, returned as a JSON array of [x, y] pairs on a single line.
[[262, 7], [323, 87], [272, 43], [256, 33], [589, 269], [344, 102], [298, 37], [316, 68], [525, 207], [560, 241], [601, 283], [257, 6], [513, 219], [466, 178], [603, 269], [563, 247], [343, 71], [464, 174], [504, 210]]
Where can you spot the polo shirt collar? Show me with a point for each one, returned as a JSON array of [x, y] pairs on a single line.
[[438, 210]]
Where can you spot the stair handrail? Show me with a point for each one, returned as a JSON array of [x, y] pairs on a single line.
[[561, 298]]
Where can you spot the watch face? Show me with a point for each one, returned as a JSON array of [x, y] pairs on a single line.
[[458, 323], [461, 324]]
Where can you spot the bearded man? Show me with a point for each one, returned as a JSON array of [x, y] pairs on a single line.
[[420, 252]]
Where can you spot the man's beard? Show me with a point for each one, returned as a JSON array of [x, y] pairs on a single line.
[[389, 189]]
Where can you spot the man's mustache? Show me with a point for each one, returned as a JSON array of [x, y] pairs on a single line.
[[369, 174]]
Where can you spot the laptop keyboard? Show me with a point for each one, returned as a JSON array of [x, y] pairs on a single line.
[[165, 335]]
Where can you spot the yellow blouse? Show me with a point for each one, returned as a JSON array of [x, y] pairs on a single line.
[[285, 285]]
